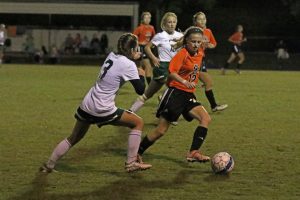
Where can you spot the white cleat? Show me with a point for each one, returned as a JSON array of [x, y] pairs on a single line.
[[219, 108], [136, 166]]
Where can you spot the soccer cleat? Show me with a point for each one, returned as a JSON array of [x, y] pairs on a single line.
[[196, 156], [219, 108], [139, 158], [45, 169], [238, 71], [136, 166]]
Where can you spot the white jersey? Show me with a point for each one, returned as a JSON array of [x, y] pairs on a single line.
[[163, 41], [2, 37], [116, 70]]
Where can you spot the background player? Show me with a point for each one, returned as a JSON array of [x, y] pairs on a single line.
[[145, 33], [199, 19], [163, 42], [237, 39]]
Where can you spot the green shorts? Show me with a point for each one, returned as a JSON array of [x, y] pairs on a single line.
[[161, 72]]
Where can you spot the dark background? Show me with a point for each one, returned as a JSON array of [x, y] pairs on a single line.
[[265, 21]]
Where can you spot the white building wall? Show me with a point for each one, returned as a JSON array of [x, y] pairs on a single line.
[[57, 37]]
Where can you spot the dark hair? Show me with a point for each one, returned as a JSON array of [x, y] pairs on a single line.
[[189, 31], [126, 42]]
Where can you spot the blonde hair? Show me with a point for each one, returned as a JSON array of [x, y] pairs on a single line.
[[165, 18], [143, 15], [196, 15], [238, 27]]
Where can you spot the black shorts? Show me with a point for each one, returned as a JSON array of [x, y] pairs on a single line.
[[236, 49], [83, 116], [142, 49], [176, 102]]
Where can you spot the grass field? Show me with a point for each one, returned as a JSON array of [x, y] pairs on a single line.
[[261, 129]]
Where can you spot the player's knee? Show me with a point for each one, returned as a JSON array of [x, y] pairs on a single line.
[[139, 124], [208, 84], [205, 121]]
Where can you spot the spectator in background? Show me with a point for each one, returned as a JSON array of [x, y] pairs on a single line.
[[77, 43], [103, 43], [54, 55], [95, 44], [2, 41], [28, 46], [84, 45], [69, 42], [40, 55], [282, 53]]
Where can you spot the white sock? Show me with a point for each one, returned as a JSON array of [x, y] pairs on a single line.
[[60, 150], [134, 140], [139, 102]]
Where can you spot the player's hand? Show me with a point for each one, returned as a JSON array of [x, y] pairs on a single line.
[[141, 72], [136, 55], [156, 61], [188, 84]]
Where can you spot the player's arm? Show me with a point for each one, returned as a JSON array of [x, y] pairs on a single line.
[[139, 84], [150, 54], [178, 44], [212, 41]]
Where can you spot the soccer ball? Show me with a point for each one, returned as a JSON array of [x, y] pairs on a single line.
[[222, 163]]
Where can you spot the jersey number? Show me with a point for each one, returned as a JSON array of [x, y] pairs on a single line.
[[107, 66]]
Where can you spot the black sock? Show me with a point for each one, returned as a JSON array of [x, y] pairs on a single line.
[[211, 98], [199, 137], [148, 79], [145, 144], [238, 66]]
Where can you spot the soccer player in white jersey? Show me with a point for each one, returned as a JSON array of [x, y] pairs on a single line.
[[98, 106], [2, 40], [163, 41]]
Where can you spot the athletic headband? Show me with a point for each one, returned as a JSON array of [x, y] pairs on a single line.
[[193, 30]]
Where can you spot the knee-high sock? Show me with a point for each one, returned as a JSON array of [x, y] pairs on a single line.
[[148, 79], [199, 137], [145, 144], [211, 98], [134, 140], [139, 102], [60, 150]]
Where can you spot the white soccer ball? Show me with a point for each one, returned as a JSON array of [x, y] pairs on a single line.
[[222, 163]]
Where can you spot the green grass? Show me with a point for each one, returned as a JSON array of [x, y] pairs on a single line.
[[261, 129]]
